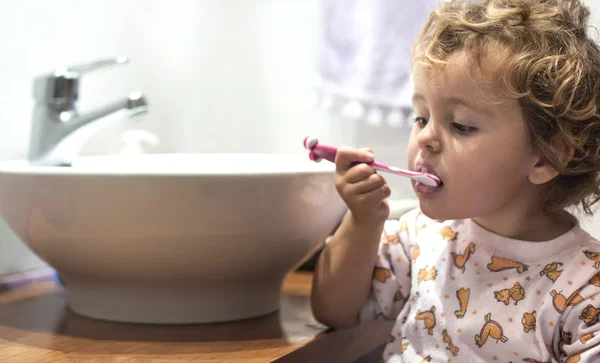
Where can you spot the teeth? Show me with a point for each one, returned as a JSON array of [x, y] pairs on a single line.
[[426, 171], [421, 170]]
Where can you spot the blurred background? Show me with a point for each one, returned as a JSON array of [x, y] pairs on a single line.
[[220, 76]]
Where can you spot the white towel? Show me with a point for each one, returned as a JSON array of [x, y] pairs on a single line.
[[364, 56]]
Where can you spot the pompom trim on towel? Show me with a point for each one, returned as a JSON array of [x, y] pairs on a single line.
[[376, 110], [373, 114]]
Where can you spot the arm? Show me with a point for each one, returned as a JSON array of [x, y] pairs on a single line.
[[343, 273]]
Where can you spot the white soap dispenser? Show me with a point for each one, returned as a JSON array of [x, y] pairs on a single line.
[[134, 141]]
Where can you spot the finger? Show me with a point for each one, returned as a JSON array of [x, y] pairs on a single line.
[[375, 196], [346, 157], [359, 173], [372, 182]]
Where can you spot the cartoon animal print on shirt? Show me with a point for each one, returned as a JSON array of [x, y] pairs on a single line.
[[551, 271], [517, 293], [531, 360], [403, 227], [398, 296], [426, 359], [451, 347], [393, 239], [428, 318], [381, 274], [501, 264], [403, 345], [589, 315], [461, 259], [586, 338], [560, 302], [595, 280], [427, 275], [594, 256], [448, 234], [463, 300], [416, 251], [566, 338], [491, 329], [528, 321], [574, 358]]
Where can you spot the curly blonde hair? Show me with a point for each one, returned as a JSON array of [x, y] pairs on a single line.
[[550, 66]]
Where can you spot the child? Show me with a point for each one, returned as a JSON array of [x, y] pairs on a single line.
[[490, 267]]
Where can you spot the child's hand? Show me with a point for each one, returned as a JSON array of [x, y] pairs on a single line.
[[364, 191]]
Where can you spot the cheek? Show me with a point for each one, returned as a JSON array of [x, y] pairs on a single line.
[[412, 149], [493, 170], [469, 177]]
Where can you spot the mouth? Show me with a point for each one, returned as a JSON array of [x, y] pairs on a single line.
[[421, 168]]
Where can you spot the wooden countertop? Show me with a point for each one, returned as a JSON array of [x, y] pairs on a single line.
[[37, 327]]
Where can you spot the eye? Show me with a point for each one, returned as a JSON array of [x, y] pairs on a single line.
[[463, 129], [421, 121]]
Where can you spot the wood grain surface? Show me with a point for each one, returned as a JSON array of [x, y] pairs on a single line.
[[37, 327]]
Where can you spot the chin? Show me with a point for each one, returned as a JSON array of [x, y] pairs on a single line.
[[435, 212], [429, 210]]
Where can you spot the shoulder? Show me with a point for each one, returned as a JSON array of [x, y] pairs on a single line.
[[584, 258], [590, 247], [580, 274], [589, 265]]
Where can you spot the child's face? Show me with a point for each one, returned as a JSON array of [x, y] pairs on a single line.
[[475, 140]]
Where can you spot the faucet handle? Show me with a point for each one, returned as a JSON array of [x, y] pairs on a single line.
[[61, 87], [101, 63]]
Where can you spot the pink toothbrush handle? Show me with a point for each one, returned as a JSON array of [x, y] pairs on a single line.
[[392, 169], [328, 152], [325, 152]]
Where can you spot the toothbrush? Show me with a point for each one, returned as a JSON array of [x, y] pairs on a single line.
[[320, 151]]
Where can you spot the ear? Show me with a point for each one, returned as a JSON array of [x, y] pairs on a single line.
[[544, 171]]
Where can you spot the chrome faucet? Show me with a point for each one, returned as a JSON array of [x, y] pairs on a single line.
[[56, 128]]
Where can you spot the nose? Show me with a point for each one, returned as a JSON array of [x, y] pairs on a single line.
[[428, 139]]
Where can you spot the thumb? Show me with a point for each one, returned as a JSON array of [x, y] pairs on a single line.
[[368, 150]]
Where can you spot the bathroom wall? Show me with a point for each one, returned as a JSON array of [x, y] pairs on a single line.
[[220, 76], [592, 225]]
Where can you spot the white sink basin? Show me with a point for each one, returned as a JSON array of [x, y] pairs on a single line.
[[172, 238]]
